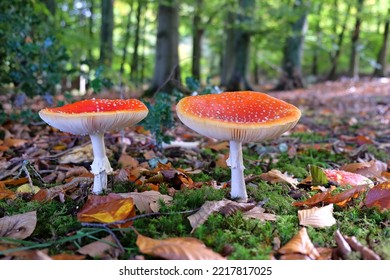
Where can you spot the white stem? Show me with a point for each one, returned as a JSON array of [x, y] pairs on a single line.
[[236, 163], [100, 166]]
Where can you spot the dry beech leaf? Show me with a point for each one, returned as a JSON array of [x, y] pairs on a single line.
[[300, 244], [6, 193], [275, 176], [344, 178], [208, 208], [18, 226], [257, 212], [233, 207], [147, 201], [317, 217], [107, 209], [180, 248], [13, 142], [104, 248], [379, 196]]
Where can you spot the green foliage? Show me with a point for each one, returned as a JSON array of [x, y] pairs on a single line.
[[100, 81], [160, 117], [32, 59]]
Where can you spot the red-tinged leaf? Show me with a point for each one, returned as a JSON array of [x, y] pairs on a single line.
[[314, 200], [344, 178], [180, 248], [107, 209], [379, 196], [371, 169], [343, 198], [6, 193]]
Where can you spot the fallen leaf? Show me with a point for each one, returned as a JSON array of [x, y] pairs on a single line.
[[180, 248], [128, 161], [208, 208], [26, 188], [233, 207], [317, 217], [300, 244], [64, 256], [103, 248], [147, 201], [6, 193], [379, 196], [315, 199], [18, 226], [275, 176], [13, 142], [344, 178], [107, 209], [371, 169], [257, 212], [343, 198], [367, 253]]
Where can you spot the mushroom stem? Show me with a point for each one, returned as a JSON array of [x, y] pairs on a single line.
[[236, 163], [100, 166]]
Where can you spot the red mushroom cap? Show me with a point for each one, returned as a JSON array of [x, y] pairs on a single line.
[[95, 115], [243, 116]]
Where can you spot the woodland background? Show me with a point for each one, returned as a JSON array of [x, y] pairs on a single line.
[[145, 46]]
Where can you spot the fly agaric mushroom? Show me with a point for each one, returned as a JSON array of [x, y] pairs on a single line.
[[95, 117], [239, 117]]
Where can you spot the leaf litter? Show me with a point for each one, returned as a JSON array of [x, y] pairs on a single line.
[[152, 178]]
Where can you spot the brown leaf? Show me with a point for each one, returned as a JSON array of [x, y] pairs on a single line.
[[180, 248], [317, 217], [12, 142], [147, 201], [257, 212], [343, 249], [208, 208], [379, 196], [367, 253], [128, 161], [275, 176], [314, 200], [234, 207], [6, 193], [64, 256], [18, 226], [343, 198], [300, 244], [107, 209], [103, 248]]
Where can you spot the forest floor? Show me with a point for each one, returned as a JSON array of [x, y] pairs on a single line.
[[174, 203]]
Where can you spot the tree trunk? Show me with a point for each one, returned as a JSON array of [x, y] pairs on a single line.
[[314, 65], [293, 50], [354, 59], [227, 62], [197, 34], [335, 56], [238, 79], [143, 29], [106, 32], [381, 69], [134, 61], [124, 50], [167, 70]]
